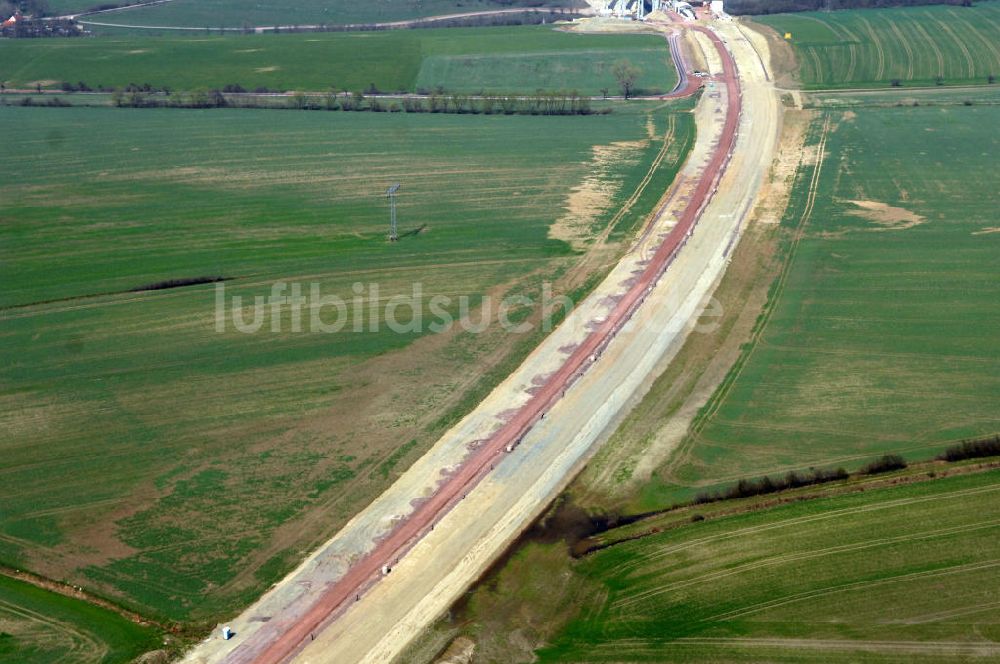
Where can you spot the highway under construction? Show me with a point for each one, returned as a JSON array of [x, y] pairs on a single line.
[[405, 559]]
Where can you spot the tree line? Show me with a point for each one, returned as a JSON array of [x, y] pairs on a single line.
[[766, 484], [541, 103], [972, 449], [738, 7]]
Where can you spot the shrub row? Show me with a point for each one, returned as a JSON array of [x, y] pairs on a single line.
[[972, 449], [538, 104], [55, 102], [883, 464], [767, 484], [760, 486], [177, 283]]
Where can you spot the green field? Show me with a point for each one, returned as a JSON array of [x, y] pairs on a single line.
[[916, 45], [181, 470], [885, 98], [506, 59], [881, 333], [61, 7], [41, 627], [240, 13], [903, 573]]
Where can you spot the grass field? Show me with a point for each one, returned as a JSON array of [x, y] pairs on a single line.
[[181, 470], [908, 572], [916, 45], [240, 13], [41, 627], [505, 59], [881, 333], [62, 7]]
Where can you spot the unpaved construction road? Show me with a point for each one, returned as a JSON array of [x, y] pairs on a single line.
[[452, 513]]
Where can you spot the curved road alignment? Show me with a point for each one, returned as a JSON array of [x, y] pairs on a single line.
[[386, 554]]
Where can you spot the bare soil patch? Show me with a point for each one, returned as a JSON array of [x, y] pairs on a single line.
[[594, 195], [776, 190], [886, 217], [784, 66], [459, 652], [694, 51]]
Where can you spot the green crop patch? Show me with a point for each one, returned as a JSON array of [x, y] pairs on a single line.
[[880, 336], [214, 14], [506, 59], [173, 465], [589, 71], [936, 45], [42, 627], [908, 571]]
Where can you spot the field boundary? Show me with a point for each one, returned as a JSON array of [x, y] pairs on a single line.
[[78, 593], [916, 473]]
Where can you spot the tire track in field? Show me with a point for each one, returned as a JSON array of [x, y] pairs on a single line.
[[969, 60], [643, 559], [969, 28], [833, 461], [711, 409], [817, 65], [86, 647], [852, 65], [640, 188], [898, 647], [879, 51], [860, 352], [995, 28], [799, 556], [932, 44], [953, 613], [841, 34], [854, 585], [906, 47], [854, 42]]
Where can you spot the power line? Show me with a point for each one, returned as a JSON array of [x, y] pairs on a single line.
[[390, 193]]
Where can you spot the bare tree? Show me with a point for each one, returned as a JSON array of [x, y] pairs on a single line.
[[625, 73]]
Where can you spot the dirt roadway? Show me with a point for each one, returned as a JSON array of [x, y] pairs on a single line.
[[448, 558]]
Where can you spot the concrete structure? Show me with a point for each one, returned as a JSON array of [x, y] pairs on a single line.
[[634, 9]]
